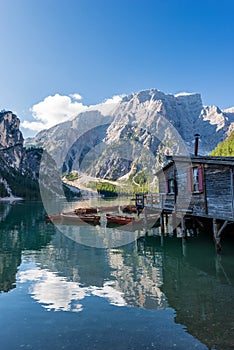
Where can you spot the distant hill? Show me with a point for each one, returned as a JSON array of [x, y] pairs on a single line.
[[225, 148]]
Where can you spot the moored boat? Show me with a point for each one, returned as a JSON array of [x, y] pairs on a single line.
[[129, 209], [89, 218], [91, 210], [119, 219]]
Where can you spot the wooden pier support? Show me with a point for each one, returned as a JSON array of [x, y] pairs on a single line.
[[174, 223], [162, 223], [162, 240], [183, 227], [217, 231], [184, 246]]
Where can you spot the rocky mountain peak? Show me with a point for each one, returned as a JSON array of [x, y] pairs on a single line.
[[215, 116], [20, 167], [229, 116], [156, 95], [10, 135]]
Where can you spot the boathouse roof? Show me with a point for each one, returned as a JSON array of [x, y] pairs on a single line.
[[228, 161]]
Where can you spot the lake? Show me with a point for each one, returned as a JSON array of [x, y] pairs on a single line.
[[80, 287]]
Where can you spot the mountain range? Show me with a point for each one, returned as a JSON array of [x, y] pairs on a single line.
[[130, 137], [122, 142]]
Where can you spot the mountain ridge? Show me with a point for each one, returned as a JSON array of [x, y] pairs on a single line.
[[109, 142]]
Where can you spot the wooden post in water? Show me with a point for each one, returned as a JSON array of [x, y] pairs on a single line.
[[184, 246], [162, 240], [165, 223], [174, 223], [166, 219], [183, 227], [162, 223], [216, 237], [217, 230], [194, 226]]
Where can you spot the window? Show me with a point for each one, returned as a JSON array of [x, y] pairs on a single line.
[[170, 186], [195, 179]]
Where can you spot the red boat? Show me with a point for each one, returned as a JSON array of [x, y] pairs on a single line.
[[119, 219], [90, 210], [129, 209], [83, 217]]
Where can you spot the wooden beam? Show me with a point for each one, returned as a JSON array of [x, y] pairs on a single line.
[[162, 223], [222, 228], [183, 227], [217, 230], [216, 238]]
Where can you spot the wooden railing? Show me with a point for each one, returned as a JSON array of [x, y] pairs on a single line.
[[182, 204], [153, 200]]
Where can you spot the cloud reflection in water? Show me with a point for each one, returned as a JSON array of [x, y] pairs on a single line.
[[55, 293]]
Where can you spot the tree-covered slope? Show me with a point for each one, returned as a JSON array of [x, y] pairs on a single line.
[[225, 148]]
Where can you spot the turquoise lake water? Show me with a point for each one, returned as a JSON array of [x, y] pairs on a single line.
[[60, 290]]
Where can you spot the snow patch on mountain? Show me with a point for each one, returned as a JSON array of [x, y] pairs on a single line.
[[185, 94]]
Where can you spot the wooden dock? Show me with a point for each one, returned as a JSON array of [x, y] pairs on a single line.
[[198, 187]]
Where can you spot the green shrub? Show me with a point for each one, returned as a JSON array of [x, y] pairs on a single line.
[[72, 176], [106, 189], [140, 178]]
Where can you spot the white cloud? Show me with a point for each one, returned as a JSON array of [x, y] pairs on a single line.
[[115, 99], [76, 96], [35, 126], [58, 108], [53, 110], [108, 106]]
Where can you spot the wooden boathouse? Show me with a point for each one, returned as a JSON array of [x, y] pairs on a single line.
[[196, 186]]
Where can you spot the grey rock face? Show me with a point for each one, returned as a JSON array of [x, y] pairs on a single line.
[[13, 154], [10, 135], [19, 167], [11, 139]]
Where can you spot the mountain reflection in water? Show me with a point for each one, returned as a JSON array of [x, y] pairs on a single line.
[[152, 273]]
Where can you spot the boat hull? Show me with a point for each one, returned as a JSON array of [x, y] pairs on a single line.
[[119, 219], [81, 218]]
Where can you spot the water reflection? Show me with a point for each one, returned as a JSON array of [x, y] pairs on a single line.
[[98, 236], [74, 271], [154, 273], [21, 227], [56, 293]]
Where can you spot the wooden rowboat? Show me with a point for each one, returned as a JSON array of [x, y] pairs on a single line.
[[119, 219], [83, 217], [129, 209], [90, 210]]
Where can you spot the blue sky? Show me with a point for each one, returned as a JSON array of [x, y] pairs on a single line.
[[101, 48]]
